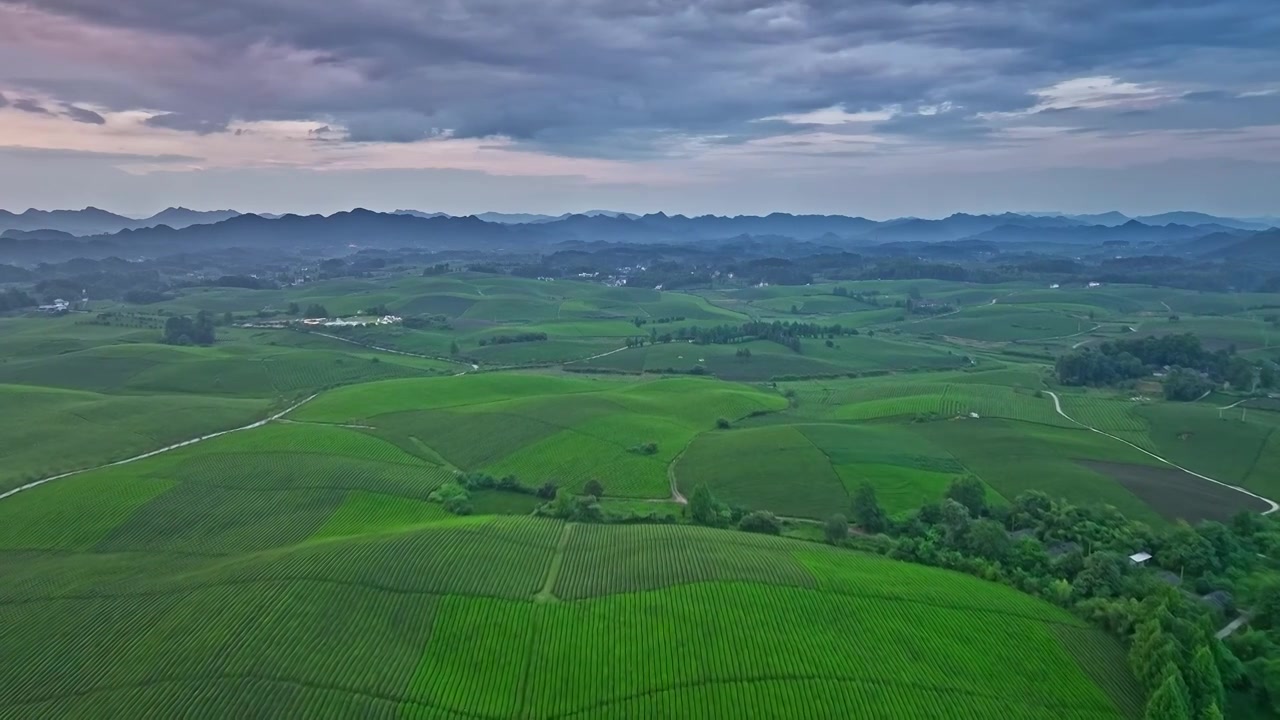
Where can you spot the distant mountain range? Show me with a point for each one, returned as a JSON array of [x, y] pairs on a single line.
[[1180, 217], [35, 235], [93, 221]]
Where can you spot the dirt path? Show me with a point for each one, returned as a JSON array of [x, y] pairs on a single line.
[[473, 366], [1231, 627], [165, 449], [1057, 405], [1062, 337], [676, 497], [1166, 306], [593, 357], [547, 593]]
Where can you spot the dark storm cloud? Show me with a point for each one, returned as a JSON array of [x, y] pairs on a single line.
[[585, 76], [31, 106], [84, 115]]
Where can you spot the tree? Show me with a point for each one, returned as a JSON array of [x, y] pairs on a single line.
[[955, 520], [1267, 375], [1169, 701], [702, 506], [1211, 713], [723, 423], [835, 529], [316, 310], [453, 348], [593, 488], [866, 510], [1186, 550], [761, 522], [294, 309], [1266, 611], [987, 538], [969, 492], [1184, 385], [547, 491], [1204, 682], [1102, 574]]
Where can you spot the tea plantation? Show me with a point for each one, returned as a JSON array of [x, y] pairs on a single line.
[[527, 500]]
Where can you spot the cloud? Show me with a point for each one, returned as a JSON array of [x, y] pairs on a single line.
[[4, 101], [84, 115], [188, 123], [568, 74], [837, 115], [45, 154], [31, 106], [646, 83]]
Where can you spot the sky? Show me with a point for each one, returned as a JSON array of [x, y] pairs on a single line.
[[880, 108]]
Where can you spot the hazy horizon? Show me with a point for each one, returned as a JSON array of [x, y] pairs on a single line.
[[760, 213]]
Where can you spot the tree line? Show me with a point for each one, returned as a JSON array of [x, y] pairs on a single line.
[[516, 338], [787, 334], [1192, 369]]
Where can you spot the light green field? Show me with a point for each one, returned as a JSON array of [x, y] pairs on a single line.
[[546, 428], [47, 431], [812, 470]]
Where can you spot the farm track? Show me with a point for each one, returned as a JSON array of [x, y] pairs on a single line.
[[1057, 405], [593, 357], [162, 450], [1231, 627]]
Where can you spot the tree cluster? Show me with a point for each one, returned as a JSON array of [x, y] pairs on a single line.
[[182, 330], [1077, 557], [787, 334], [1192, 368], [13, 299]]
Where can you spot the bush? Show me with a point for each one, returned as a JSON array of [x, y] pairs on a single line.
[[649, 448], [761, 522], [836, 528], [547, 491], [593, 488], [723, 423]]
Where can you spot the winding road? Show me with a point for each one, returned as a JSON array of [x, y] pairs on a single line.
[[165, 449], [1057, 405]]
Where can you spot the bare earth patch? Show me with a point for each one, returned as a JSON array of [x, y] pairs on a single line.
[[1175, 494]]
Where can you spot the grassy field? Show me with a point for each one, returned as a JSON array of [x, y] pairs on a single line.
[[546, 428]]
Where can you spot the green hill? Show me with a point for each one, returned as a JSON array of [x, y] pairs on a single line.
[[499, 617]]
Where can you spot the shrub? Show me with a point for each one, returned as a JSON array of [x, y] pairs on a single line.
[[649, 448], [723, 423], [761, 522], [836, 528]]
